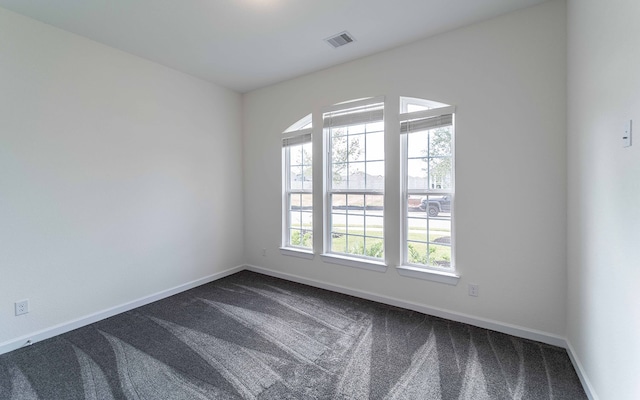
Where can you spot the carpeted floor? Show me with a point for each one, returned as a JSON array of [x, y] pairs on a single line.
[[252, 336]]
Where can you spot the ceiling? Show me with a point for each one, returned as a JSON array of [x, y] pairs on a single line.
[[247, 44]]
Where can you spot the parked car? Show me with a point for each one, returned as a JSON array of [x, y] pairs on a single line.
[[434, 205]]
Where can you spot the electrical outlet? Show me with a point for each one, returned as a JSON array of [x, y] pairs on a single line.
[[22, 307], [474, 290], [264, 252]]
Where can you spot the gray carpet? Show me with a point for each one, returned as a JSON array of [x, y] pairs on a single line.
[[250, 336]]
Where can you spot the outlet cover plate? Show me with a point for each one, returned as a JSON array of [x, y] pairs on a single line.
[[22, 307]]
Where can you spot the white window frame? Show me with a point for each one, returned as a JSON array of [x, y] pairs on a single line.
[[330, 256], [431, 111], [299, 133]]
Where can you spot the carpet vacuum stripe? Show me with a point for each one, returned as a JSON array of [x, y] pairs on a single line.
[[251, 336]]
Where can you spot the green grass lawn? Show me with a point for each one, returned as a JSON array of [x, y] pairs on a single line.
[[420, 252]]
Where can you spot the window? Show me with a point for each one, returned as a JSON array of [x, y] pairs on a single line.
[[353, 187], [427, 135], [354, 134], [297, 180]]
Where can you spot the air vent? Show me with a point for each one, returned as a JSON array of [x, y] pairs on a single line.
[[340, 39]]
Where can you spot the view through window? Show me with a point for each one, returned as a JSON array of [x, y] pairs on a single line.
[[427, 146], [298, 185], [355, 184]]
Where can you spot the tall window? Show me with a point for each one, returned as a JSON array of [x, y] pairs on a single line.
[[354, 134], [297, 159], [428, 182]]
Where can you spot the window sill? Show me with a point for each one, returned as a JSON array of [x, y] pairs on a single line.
[[371, 265], [300, 253], [449, 278]]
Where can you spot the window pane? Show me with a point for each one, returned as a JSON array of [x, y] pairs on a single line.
[[375, 226], [418, 143], [339, 222], [355, 245], [375, 147], [357, 178], [413, 202], [338, 203], [417, 171], [415, 107], [339, 147], [339, 176], [440, 142], [355, 147], [295, 154], [301, 238], [411, 104], [439, 256], [338, 242], [440, 172], [356, 201], [417, 253], [374, 175], [437, 206], [375, 202], [356, 223], [295, 201], [417, 229], [374, 248]]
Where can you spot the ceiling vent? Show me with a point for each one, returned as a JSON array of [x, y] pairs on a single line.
[[340, 39]]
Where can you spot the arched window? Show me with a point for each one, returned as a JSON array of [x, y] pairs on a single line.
[[297, 162], [355, 176], [353, 187], [427, 137]]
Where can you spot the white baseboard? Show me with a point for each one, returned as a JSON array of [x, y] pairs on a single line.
[[577, 365], [89, 319], [498, 326]]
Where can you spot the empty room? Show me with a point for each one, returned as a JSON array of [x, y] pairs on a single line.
[[337, 199]]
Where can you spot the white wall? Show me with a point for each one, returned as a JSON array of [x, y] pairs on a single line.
[[507, 77], [119, 177], [604, 194]]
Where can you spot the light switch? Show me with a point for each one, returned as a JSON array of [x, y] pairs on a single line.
[[626, 138]]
